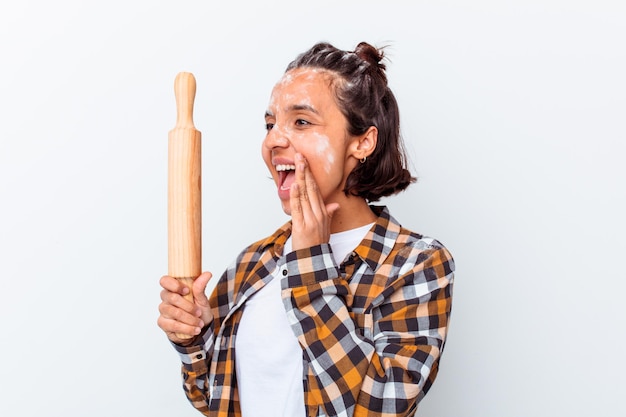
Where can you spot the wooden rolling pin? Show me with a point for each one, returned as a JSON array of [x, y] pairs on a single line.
[[184, 189]]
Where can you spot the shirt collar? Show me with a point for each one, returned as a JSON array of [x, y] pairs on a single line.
[[373, 249], [380, 239], [277, 240]]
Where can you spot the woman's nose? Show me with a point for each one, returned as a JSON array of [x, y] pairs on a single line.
[[276, 138]]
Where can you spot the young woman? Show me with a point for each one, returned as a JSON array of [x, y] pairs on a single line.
[[341, 312]]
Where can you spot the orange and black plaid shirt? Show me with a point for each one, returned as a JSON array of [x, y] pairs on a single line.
[[372, 329]]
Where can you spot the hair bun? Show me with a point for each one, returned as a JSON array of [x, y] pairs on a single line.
[[368, 53], [372, 56]]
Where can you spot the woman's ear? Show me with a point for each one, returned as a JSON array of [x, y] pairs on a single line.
[[365, 144]]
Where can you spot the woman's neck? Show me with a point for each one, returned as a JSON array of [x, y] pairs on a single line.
[[353, 212]]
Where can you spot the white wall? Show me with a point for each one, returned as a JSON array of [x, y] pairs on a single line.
[[514, 117]]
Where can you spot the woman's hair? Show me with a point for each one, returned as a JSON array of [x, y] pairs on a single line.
[[364, 98]]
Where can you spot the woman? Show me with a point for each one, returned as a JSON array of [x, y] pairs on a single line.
[[341, 311]]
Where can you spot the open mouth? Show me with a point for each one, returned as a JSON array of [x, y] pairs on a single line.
[[286, 175]]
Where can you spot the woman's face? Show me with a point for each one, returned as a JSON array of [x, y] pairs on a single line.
[[303, 117]]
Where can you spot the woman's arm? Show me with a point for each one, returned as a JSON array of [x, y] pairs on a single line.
[[181, 316]]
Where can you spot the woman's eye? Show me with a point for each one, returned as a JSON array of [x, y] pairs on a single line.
[[302, 122], [269, 126]]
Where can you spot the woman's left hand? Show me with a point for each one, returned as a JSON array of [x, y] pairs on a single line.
[[310, 216]]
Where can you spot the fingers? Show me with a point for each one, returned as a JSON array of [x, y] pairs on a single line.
[[173, 327], [201, 300], [331, 209], [179, 315], [199, 287], [295, 203], [311, 217], [309, 196], [173, 285]]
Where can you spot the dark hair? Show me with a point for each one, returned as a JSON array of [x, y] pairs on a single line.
[[365, 99]]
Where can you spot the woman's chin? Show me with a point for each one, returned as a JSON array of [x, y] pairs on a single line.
[[286, 207]]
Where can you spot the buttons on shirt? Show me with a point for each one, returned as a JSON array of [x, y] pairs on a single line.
[[197, 356], [285, 272]]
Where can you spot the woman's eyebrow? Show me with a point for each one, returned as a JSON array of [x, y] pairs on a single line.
[[300, 107], [295, 107]]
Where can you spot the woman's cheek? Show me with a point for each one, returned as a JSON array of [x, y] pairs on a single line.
[[322, 152]]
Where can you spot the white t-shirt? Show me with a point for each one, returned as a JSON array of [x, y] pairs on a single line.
[[268, 357]]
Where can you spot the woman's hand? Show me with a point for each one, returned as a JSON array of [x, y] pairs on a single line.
[[310, 216], [179, 315]]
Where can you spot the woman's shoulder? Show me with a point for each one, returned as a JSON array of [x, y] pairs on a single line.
[[419, 241], [387, 228], [405, 246], [274, 242]]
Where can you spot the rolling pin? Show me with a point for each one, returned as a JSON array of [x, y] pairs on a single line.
[[184, 189]]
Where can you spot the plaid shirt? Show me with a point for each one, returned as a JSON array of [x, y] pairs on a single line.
[[371, 329]]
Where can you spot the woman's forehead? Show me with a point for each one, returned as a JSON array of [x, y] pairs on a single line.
[[304, 75], [302, 84], [299, 87]]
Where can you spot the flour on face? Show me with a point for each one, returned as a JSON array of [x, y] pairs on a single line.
[[322, 151]]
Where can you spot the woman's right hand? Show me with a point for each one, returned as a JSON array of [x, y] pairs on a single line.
[[178, 315]]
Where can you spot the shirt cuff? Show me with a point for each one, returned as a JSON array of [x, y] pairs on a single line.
[[310, 266], [193, 356]]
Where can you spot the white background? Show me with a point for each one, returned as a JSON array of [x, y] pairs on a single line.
[[514, 117]]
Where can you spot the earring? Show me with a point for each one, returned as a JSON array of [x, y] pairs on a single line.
[[362, 160]]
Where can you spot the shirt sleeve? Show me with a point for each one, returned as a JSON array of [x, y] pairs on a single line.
[[195, 359], [197, 356], [381, 361]]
